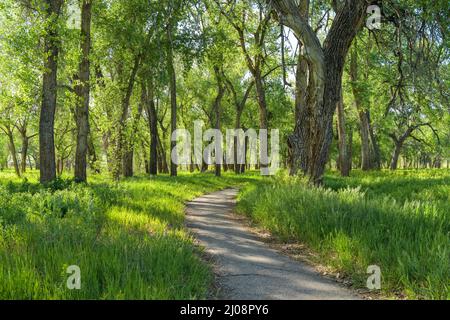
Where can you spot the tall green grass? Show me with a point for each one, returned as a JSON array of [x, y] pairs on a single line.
[[398, 221], [128, 239]]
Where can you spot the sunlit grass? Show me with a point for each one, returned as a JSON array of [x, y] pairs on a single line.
[[128, 238], [398, 221]]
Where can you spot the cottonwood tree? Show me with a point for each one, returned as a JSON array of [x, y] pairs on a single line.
[[311, 140], [82, 90], [52, 44], [418, 48], [251, 21]]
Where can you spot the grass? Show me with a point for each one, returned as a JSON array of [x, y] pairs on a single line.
[[130, 242], [399, 221], [128, 239]]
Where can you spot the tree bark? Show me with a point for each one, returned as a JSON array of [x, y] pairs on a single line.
[[396, 155], [343, 147], [13, 150], [173, 96], [24, 153], [120, 144], [153, 127], [366, 163], [376, 158], [239, 105], [49, 92], [217, 111], [92, 154], [22, 127], [82, 90], [311, 141], [162, 157]]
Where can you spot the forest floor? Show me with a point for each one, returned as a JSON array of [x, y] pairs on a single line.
[[246, 268], [130, 241]]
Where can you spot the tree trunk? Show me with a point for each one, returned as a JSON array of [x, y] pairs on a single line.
[[173, 97], [343, 147], [83, 91], [24, 153], [120, 144], [396, 155], [350, 149], [162, 156], [128, 156], [366, 163], [311, 141], [13, 151], [49, 93], [376, 158], [92, 154], [153, 126], [127, 163], [217, 112], [237, 166], [261, 97]]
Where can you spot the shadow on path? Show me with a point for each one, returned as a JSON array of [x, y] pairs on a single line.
[[247, 268]]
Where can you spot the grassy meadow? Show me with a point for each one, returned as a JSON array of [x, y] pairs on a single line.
[[399, 221], [128, 239]]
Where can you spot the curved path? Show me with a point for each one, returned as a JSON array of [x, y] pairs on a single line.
[[246, 267]]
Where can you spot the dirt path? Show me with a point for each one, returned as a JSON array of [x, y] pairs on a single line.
[[246, 267]]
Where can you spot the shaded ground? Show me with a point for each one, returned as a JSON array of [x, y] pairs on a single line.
[[246, 267]]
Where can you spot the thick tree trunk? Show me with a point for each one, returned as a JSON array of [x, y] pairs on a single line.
[[49, 93], [298, 142], [83, 91], [311, 141], [173, 96]]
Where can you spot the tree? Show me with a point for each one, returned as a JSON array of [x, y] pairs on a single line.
[[312, 136], [239, 17], [52, 43], [83, 93]]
